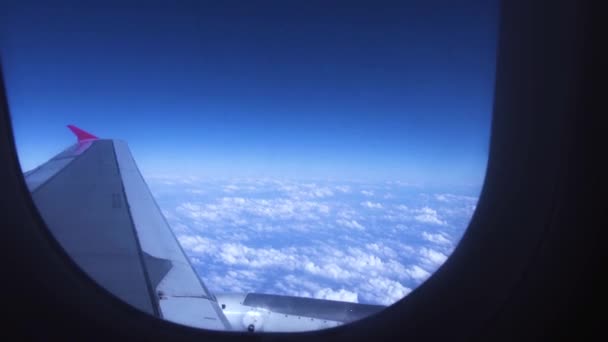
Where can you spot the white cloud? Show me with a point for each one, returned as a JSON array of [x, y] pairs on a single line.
[[237, 280], [179, 228], [197, 243], [406, 249], [405, 184], [233, 208], [432, 257], [417, 273], [424, 215], [341, 295], [239, 254], [385, 291], [347, 213], [452, 198], [322, 192], [330, 270], [195, 191], [293, 281], [231, 188], [349, 265], [350, 224], [466, 210], [371, 205], [267, 228], [298, 239], [190, 206], [172, 179], [296, 286], [311, 190], [441, 197], [428, 215], [343, 188], [380, 248], [363, 261], [438, 238]]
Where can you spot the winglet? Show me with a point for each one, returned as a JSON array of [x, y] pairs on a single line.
[[80, 134]]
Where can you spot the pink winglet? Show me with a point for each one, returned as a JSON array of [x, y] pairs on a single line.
[[81, 135]]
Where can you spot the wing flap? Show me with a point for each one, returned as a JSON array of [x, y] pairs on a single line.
[[157, 240]]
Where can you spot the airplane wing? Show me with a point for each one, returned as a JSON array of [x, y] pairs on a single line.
[[97, 205], [99, 208]]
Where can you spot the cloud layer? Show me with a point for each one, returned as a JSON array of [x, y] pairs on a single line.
[[369, 243]]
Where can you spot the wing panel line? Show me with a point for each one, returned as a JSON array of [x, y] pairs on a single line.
[[152, 293]]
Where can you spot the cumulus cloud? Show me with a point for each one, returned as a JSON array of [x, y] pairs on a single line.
[[289, 258], [382, 249], [233, 208], [347, 213], [428, 215], [418, 273], [197, 243], [350, 224], [297, 286], [231, 188], [341, 295], [330, 270], [292, 281], [237, 280], [371, 205], [343, 188], [425, 215], [322, 192], [438, 238], [385, 291], [305, 190], [239, 254], [371, 271], [179, 228], [452, 198], [172, 179], [317, 240], [195, 191], [432, 257]]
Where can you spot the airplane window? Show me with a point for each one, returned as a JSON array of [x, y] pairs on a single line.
[[253, 166]]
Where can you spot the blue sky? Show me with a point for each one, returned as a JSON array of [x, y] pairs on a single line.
[[309, 89]]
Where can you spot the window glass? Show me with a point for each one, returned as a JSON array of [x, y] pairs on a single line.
[[294, 148]]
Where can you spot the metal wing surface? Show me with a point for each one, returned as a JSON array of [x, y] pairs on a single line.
[[97, 205]]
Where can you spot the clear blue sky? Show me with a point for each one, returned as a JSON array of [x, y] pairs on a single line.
[[298, 89]]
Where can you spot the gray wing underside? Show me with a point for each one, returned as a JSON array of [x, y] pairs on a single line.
[[99, 208]]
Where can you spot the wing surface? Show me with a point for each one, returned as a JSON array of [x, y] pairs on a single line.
[[99, 208]]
